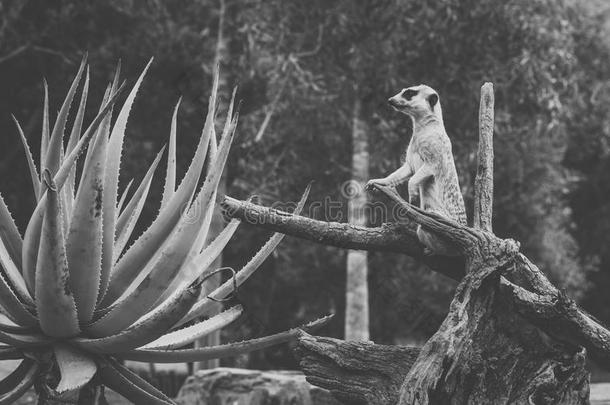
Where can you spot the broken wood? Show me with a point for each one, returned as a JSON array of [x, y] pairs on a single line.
[[355, 372]]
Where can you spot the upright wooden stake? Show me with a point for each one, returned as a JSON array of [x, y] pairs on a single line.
[[484, 182]]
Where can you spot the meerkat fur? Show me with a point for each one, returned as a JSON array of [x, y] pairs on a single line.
[[429, 167]]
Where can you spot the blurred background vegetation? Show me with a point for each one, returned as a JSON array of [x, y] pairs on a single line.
[[299, 66]]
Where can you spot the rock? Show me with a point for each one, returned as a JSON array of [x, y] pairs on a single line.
[[232, 386]]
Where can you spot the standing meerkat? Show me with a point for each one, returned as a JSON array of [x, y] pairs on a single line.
[[429, 167]]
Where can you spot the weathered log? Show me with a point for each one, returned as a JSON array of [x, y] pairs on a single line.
[[355, 372]]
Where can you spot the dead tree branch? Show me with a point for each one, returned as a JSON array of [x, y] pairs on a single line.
[[14, 53], [395, 238], [484, 182]]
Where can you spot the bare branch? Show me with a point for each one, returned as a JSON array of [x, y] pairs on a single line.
[[14, 53], [397, 238], [270, 110], [484, 182], [318, 46], [53, 52]]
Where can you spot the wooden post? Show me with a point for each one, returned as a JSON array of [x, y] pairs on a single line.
[[484, 182]]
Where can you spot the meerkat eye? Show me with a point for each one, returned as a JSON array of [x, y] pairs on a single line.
[[408, 94]]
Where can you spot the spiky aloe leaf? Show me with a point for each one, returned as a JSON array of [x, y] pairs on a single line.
[[129, 385], [55, 147], [111, 182], [10, 381], [130, 215], [105, 123], [194, 267], [22, 340], [206, 199], [202, 235], [203, 306], [14, 308], [45, 135], [124, 194], [117, 76], [141, 333], [188, 335], [9, 233], [214, 352], [70, 159], [19, 382], [84, 242], [76, 369], [54, 299], [74, 137], [77, 126], [30, 160], [170, 173], [31, 240], [14, 277], [10, 353], [14, 328], [159, 273], [141, 252]]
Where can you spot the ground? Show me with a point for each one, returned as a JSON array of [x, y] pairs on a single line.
[[600, 392]]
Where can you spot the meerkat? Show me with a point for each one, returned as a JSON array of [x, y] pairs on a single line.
[[429, 167]]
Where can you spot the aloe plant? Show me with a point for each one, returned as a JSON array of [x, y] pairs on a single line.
[[76, 300]]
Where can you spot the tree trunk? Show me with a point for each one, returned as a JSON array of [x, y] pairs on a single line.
[[485, 353], [357, 295]]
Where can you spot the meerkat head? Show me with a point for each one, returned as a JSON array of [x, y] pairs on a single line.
[[417, 102]]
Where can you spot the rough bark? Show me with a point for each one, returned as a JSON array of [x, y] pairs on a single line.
[[484, 181], [355, 372], [357, 292], [486, 353]]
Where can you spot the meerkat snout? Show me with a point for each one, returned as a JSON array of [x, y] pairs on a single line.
[[397, 101]]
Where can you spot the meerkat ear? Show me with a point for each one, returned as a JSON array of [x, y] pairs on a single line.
[[432, 100]]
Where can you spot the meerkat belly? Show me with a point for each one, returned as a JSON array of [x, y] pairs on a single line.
[[413, 159]]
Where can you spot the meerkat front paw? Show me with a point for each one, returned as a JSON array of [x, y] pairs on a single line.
[[371, 184]]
